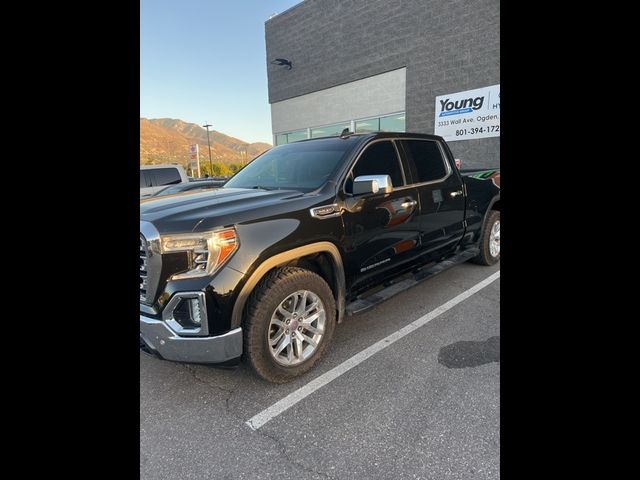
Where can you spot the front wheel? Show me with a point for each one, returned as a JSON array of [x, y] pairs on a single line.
[[489, 241], [289, 323]]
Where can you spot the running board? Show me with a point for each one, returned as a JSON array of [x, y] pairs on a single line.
[[360, 305]]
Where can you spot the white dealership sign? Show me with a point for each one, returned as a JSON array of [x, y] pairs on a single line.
[[194, 159], [470, 114]]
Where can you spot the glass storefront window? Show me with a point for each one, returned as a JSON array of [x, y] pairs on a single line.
[[297, 135], [393, 123], [390, 123], [284, 138], [367, 126], [329, 130]]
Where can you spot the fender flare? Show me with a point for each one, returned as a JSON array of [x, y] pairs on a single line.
[[284, 258], [486, 213], [493, 201]]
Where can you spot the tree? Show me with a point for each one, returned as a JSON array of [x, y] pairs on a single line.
[[219, 170]]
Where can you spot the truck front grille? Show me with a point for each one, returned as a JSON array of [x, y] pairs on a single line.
[[144, 257], [150, 262]]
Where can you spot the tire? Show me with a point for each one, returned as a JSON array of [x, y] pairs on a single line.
[[265, 318], [485, 257]]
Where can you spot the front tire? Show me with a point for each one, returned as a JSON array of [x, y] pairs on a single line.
[[288, 324], [489, 241]]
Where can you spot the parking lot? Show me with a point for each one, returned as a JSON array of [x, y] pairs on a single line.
[[425, 406]]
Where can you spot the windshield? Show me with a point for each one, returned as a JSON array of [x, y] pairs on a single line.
[[303, 166]]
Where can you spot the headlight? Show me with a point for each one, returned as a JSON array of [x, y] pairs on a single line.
[[207, 251]]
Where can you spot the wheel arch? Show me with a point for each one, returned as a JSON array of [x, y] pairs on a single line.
[[315, 254], [493, 205]]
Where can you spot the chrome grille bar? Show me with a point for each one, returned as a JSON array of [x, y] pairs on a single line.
[[150, 262], [143, 269]]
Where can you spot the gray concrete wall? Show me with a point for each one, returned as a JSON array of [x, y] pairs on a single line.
[[446, 46], [369, 97]]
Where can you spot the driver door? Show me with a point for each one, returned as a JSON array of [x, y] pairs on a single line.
[[382, 230]]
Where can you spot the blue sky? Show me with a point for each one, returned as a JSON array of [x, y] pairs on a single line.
[[204, 60]]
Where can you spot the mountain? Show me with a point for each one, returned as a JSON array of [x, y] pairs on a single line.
[[166, 140]]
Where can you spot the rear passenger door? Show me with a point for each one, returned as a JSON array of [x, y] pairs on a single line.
[[441, 194]]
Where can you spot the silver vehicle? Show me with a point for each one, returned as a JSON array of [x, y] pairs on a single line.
[[155, 177]]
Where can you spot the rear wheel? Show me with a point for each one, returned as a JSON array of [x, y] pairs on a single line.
[[489, 241], [289, 323]]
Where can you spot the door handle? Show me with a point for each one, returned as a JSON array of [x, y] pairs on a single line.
[[455, 194], [408, 204]]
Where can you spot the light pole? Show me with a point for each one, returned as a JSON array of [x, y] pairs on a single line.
[[209, 145]]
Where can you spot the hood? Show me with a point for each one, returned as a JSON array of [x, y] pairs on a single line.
[[200, 211]]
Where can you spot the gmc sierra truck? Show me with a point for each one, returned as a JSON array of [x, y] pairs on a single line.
[[305, 235]]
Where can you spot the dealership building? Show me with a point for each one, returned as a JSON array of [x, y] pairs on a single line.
[[426, 66]]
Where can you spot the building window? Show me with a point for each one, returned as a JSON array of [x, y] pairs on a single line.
[[295, 136], [393, 123], [329, 130], [368, 126], [389, 123], [290, 137]]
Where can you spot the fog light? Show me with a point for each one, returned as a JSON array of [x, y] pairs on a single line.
[[186, 314]]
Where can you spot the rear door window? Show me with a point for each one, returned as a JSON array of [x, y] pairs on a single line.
[[166, 176], [425, 160]]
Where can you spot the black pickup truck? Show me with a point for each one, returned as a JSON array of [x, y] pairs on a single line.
[[305, 235]]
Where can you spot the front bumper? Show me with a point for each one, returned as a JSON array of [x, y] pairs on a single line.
[[161, 340]]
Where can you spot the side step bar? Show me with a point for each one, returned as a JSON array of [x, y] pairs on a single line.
[[360, 305]]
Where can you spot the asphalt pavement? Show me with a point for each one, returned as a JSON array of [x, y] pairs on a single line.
[[425, 407]]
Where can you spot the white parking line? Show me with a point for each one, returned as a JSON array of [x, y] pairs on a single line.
[[290, 400]]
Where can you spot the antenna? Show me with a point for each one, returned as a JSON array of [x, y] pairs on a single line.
[[345, 133]]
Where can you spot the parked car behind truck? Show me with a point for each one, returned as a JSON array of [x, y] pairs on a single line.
[[267, 266], [155, 177]]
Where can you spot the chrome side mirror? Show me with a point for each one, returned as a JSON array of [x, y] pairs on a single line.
[[368, 184]]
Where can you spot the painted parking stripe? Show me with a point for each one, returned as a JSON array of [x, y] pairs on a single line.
[[290, 400]]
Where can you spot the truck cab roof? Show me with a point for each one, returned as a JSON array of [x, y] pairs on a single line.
[[372, 135]]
